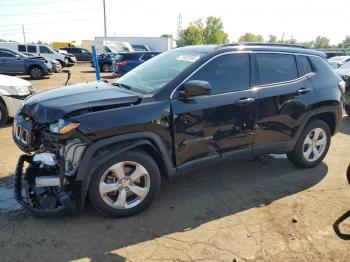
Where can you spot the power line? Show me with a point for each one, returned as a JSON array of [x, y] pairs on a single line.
[[49, 13], [50, 22], [42, 2]]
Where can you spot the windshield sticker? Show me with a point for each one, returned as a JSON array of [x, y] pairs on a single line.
[[188, 58]]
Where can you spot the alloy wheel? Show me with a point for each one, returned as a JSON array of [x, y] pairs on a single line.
[[124, 185], [314, 144]]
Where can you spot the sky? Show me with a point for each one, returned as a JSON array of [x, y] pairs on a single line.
[[68, 20]]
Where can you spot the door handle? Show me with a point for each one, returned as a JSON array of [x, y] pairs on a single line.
[[303, 91], [245, 101]]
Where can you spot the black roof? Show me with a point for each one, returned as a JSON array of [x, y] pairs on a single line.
[[253, 47]]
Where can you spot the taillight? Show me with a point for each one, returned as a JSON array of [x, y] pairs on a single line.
[[342, 86], [124, 63]]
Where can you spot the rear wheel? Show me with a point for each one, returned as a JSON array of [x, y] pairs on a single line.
[[125, 185], [3, 114], [36, 72], [312, 145]]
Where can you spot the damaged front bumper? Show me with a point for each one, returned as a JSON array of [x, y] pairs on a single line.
[[41, 193]]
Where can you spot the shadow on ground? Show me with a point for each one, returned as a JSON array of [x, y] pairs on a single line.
[[190, 200], [344, 126]]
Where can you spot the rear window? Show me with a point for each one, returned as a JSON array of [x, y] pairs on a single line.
[[275, 68], [22, 48], [305, 63], [31, 48]]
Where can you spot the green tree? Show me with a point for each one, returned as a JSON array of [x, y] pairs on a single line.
[[272, 39], [321, 42], [345, 43], [198, 33], [249, 37]]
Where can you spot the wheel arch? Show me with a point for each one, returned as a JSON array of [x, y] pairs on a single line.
[[108, 148]]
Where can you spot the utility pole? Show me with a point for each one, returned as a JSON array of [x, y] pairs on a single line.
[[104, 17], [24, 34]]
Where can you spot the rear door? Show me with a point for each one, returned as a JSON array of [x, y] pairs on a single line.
[[221, 123], [285, 95], [10, 63]]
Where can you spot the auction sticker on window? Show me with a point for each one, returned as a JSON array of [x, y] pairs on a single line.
[[188, 58]]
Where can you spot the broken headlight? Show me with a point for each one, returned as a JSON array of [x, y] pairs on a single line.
[[63, 127]]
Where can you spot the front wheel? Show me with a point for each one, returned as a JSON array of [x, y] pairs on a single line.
[[36, 72], [312, 145], [125, 185], [3, 114], [106, 67]]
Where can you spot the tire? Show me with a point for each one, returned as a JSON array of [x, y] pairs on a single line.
[[4, 116], [61, 62], [36, 72], [106, 67], [108, 200], [310, 150]]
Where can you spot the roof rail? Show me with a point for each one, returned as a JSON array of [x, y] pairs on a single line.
[[263, 44]]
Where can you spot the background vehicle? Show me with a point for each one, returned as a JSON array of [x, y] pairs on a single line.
[[80, 54], [159, 44], [344, 72], [337, 61], [13, 91], [181, 109], [124, 62], [56, 66], [12, 62], [141, 47], [58, 45], [35, 49], [332, 53], [104, 61], [107, 46]]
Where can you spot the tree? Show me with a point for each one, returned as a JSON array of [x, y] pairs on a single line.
[[345, 43], [321, 42], [249, 37], [198, 32], [272, 39]]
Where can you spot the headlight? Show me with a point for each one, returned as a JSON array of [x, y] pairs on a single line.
[[63, 127], [21, 90]]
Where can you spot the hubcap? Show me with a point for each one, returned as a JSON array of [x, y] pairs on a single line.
[[314, 144], [124, 185], [106, 68], [36, 73]]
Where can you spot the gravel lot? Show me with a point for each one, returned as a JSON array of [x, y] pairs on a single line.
[[261, 209]]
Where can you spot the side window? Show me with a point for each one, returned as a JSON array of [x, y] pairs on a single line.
[[44, 50], [305, 63], [6, 54], [31, 48], [276, 68], [226, 73], [22, 48], [147, 57]]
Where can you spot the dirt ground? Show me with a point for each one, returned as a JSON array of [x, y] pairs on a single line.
[[262, 209]]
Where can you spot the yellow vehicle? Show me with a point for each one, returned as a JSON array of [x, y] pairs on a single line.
[[63, 44]]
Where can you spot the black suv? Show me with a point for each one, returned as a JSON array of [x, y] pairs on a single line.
[[181, 109]]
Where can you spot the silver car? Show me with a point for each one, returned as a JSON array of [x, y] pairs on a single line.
[[13, 91]]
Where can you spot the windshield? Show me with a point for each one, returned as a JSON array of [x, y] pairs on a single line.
[[345, 66], [152, 75]]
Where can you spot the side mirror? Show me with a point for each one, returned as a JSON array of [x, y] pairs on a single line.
[[195, 88]]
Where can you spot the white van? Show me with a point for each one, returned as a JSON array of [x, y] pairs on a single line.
[[38, 50]]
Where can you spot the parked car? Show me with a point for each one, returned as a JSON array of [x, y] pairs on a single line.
[[182, 109], [332, 53], [56, 66], [337, 61], [141, 47], [35, 49], [125, 62], [12, 62], [81, 54], [344, 72], [13, 91], [104, 61]]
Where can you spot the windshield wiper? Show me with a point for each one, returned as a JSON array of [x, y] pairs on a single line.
[[122, 85]]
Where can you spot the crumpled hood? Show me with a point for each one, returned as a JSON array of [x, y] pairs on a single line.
[[49, 106]]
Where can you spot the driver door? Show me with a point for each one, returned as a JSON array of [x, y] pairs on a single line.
[[221, 123]]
